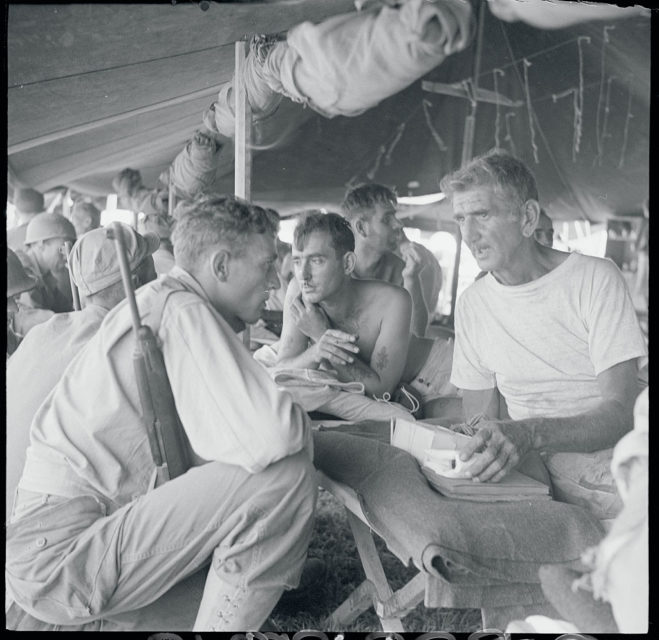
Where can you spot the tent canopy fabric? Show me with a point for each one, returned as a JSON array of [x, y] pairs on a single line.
[[95, 88]]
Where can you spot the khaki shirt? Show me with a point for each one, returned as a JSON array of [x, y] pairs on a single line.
[[88, 437], [32, 373]]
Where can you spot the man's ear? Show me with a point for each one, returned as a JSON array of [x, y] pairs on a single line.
[[529, 217], [360, 227], [349, 260], [220, 260]]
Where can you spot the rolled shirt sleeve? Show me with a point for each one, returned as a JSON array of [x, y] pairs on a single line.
[[229, 406]]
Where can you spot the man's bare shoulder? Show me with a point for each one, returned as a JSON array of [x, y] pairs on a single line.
[[381, 292]]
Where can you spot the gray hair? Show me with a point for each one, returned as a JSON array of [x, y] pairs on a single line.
[[210, 219], [498, 169]]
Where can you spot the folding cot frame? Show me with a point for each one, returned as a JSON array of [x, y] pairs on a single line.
[[375, 591]]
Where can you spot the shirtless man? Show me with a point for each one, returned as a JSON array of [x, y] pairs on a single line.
[[371, 210], [360, 328]]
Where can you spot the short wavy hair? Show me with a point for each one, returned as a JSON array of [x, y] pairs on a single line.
[[212, 219], [363, 199], [338, 228], [506, 174]]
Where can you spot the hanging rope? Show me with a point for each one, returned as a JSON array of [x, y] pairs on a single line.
[[578, 105], [529, 109], [509, 137], [398, 135], [598, 132], [630, 115], [385, 149], [370, 174], [426, 104], [576, 123], [558, 167], [607, 108], [497, 122]]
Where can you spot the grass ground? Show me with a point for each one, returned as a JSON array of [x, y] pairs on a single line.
[[332, 541]]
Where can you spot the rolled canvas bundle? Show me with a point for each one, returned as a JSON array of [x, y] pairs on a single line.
[[343, 66]]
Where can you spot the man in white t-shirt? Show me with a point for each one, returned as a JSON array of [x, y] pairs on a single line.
[[554, 333]]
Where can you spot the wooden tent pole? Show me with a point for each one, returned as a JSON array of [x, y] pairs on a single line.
[[470, 122], [243, 138], [170, 198], [66, 207]]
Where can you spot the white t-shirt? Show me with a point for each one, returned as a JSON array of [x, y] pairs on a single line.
[[543, 343]]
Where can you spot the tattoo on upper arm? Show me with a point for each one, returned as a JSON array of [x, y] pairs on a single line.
[[381, 359]]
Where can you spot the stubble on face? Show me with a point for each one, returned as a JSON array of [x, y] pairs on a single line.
[[490, 226]]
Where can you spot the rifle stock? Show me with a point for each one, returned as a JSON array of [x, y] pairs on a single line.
[[158, 408], [167, 440]]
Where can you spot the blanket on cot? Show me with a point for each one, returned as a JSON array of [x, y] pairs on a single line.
[[481, 552]]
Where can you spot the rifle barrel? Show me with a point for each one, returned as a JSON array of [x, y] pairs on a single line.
[[116, 233]]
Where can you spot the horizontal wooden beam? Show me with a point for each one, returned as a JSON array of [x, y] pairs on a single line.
[[458, 91]]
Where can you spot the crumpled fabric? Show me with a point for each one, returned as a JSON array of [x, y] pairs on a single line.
[[620, 562], [606, 591], [320, 390], [195, 168], [351, 62], [311, 388], [263, 100], [133, 195], [494, 541], [342, 66]]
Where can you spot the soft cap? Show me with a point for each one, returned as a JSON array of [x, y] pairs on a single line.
[[93, 260]]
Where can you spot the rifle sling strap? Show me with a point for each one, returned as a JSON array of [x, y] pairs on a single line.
[[153, 317]]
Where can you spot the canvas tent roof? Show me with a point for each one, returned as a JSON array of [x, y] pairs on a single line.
[[95, 88]]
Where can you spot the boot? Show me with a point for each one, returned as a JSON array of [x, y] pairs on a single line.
[[225, 607]]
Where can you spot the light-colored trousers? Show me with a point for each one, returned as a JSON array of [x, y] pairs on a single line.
[[70, 563]]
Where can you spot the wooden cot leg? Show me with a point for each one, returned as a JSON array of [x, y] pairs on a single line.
[[351, 608], [368, 554]]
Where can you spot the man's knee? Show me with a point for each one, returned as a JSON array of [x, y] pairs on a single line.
[[294, 478]]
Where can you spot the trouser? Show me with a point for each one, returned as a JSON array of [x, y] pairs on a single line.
[[68, 563], [585, 479]]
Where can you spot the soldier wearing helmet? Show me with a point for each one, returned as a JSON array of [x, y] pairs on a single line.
[[44, 259]]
